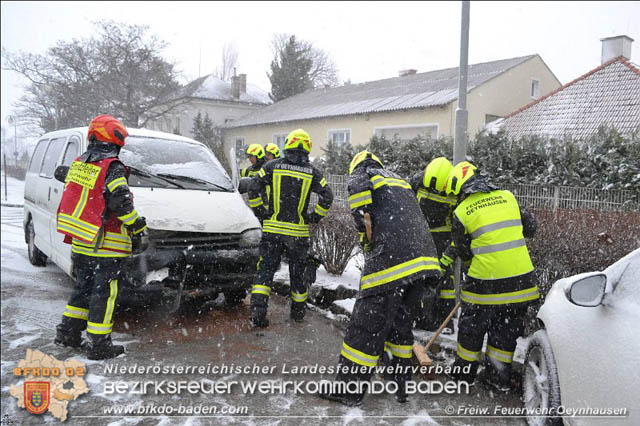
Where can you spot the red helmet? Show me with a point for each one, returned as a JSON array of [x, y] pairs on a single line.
[[106, 128]]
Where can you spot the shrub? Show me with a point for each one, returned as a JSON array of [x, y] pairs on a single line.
[[569, 242], [334, 239]]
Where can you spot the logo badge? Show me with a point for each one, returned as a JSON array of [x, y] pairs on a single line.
[[36, 396]]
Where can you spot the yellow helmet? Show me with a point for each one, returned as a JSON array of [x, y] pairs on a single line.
[[436, 173], [298, 139], [360, 157], [459, 175], [273, 149], [255, 149]]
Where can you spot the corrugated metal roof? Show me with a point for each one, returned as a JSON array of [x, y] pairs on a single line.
[[428, 89], [211, 87], [607, 95]]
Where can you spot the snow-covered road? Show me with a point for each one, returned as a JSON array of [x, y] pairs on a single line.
[[34, 298]]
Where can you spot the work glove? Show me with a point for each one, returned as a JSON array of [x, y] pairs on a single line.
[[364, 243], [139, 226], [445, 262], [139, 239], [139, 243]]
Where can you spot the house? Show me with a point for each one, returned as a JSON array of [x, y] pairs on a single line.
[[398, 108], [223, 101], [607, 95]]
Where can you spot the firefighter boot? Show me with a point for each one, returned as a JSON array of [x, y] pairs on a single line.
[[298, 309], [259, 303], [259, 316], [69, 336], [101, 347], [497, 375]]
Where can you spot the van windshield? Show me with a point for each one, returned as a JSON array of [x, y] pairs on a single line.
[[179, 164]]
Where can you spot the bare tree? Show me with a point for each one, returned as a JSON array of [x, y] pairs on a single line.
[[119, 72], [229, 62]]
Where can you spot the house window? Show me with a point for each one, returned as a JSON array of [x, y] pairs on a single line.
[[535, 88], [339, 136], [407, 132], [279, 139], [488, 118]]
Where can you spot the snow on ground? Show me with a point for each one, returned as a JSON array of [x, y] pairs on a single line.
[[15, 191]]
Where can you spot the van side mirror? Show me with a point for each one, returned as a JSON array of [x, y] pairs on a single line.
[[588, 291], [61, 173]]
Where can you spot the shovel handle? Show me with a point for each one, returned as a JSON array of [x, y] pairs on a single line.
[[446, 321], [367, 226]]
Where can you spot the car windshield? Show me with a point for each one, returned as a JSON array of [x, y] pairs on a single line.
[[180, 164]]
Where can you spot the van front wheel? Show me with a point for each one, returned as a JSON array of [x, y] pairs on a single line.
[[36, 257]]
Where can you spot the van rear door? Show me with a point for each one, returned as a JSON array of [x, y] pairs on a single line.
[[41, 212], [61, 252]]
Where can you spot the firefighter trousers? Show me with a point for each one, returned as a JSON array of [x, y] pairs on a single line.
[[272, 247], [503, 324], [94, 296], [381, 323]]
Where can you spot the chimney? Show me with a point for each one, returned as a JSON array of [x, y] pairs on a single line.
[[404, 73], [242, 83], [238, 85], [612, 47]]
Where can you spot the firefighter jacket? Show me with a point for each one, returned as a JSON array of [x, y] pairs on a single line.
[[97, 207], [489, 228], [401, 249], [291, 184], [260, 200]]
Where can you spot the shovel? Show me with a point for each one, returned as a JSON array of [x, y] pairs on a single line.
[[421, 352]]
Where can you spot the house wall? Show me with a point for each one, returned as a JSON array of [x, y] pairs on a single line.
[[362, 127], [183, 115], [499, 97], [506, 93]]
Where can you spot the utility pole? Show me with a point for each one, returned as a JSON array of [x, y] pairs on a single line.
[[462, 115]]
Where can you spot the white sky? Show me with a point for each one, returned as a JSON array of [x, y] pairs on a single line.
[[367, 40]]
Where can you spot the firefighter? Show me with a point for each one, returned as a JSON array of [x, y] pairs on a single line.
[[255, 152], [489, 229], [292, 179], [97, 216], [400, 260], [428, 185], [271, 151]]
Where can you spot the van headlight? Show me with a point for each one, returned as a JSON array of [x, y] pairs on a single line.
[[251, 238]]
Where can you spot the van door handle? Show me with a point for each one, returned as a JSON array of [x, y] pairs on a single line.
[[49, 195]]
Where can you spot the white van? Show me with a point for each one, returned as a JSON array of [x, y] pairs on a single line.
[[203, 238]]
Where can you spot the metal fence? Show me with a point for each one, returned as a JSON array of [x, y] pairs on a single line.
[[536, 196]]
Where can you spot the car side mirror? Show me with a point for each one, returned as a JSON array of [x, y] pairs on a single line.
[[588, 291], [61, 173], [243, 185]]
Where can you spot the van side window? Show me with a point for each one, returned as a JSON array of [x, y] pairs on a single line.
[[36, 157], [72, 151], [51, 156]]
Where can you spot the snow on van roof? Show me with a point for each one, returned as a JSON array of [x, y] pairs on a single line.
[[132, 132]]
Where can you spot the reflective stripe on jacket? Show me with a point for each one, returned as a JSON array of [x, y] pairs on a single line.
[[82, 211], [402, 249], [497, 243], [291, 186]]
